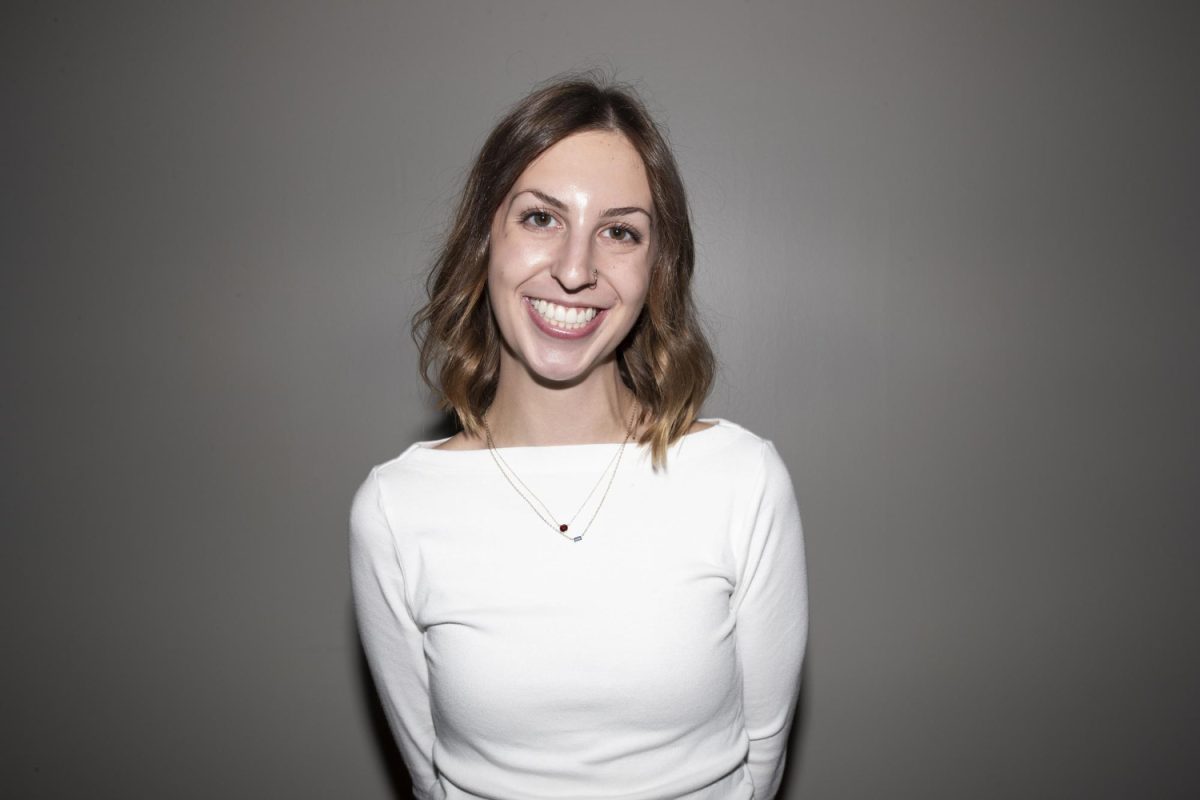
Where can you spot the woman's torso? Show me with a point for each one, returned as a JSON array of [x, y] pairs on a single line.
[[604, 668]]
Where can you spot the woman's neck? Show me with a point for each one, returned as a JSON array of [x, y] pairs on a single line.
[[529, 413]]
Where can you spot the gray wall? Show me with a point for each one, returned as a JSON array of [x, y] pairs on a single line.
[[948, 252]]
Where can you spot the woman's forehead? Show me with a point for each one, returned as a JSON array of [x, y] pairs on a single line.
[[596, 164]]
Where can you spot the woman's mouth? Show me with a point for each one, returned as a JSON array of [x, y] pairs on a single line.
[[567, 322]]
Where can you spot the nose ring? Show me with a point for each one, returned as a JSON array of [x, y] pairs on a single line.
[[595, 278]]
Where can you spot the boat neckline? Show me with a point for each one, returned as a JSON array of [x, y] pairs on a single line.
[[430, 447]]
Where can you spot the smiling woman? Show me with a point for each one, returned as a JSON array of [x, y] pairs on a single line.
[[587, 592], [665, 361]]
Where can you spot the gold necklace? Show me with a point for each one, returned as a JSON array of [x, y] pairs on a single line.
[[528, 495]]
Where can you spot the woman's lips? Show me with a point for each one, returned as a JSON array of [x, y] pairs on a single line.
[[551, 329]]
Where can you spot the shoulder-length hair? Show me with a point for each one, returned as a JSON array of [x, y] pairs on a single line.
[[665, 360]]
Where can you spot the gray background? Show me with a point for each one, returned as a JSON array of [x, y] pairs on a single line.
[[948, 254]]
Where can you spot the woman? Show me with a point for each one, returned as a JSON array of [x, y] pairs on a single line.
[[587, 592]]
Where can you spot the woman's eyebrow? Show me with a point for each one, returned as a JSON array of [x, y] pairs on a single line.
[[549, 200], [623, 210]]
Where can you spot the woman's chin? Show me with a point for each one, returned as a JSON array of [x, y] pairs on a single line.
[[569, 369], [557, 364], [559, 374]]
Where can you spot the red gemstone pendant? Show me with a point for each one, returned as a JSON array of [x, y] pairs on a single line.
[[563, 528]]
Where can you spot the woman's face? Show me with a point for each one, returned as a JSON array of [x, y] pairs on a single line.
[[569, 261]]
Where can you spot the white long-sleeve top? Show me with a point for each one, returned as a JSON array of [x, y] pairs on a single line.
[[657, 659]]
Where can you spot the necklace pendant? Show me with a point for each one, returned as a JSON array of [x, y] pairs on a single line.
[[563, 527], [577, 539]]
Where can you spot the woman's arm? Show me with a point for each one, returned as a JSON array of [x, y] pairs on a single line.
[[390, 637], [771, 606]]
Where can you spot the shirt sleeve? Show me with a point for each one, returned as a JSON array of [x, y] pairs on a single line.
[[391, 638], [771, 608]]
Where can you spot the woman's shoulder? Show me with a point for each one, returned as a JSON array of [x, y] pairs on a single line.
[[748, 460], [729, 447], [394, 495], [415, 460], [458, 442], [722, 434], [405, 487]]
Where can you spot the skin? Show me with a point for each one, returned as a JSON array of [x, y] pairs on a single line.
[[583, 204]]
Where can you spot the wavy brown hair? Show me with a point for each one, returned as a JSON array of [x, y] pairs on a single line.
[[665, 360]]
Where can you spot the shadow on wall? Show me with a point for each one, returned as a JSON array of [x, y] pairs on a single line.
[[443, 426]]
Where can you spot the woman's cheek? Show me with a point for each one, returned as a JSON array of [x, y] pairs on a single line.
[[519, 258]]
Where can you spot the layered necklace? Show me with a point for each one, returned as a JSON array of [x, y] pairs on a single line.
[[535, 502]]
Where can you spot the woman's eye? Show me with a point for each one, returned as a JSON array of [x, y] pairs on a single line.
[[538, 219], [619, 233]]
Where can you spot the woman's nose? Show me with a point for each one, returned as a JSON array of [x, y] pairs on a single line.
[[573, 268]]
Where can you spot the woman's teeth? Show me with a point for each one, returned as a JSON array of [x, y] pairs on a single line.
[[563, 317]]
